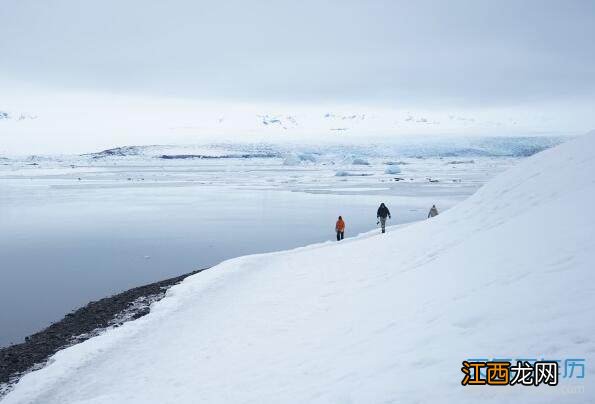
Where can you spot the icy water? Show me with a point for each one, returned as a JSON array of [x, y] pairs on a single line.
[[77, 230]]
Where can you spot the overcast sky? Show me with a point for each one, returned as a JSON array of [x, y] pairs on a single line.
[[436, 67]]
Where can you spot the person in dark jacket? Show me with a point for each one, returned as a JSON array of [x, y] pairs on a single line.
[[433, 212], [381, 214]]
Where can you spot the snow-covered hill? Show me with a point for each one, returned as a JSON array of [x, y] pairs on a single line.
[[379, 318]]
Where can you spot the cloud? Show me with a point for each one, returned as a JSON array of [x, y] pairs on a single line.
[[422, 120], [19, 117], [283, 122], [460, 118], [391, 53]]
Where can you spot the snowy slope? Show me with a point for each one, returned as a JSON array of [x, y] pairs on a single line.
[[507, 273]]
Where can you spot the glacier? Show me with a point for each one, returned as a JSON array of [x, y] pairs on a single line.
[[87, 222]]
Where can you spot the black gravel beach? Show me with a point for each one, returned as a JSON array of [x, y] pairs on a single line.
[[78, 326]]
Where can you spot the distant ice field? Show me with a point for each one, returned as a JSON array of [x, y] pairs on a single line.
[[78, 228]]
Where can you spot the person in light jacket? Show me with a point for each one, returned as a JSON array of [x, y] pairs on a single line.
[[433, 211]]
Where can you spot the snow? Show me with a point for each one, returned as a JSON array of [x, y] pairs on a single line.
[[392, 169], [376, 318], [291, 160], [112, 209], [358, 161], [343, 173], [294, 159]]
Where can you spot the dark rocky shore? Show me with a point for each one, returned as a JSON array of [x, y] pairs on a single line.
[[78, 326]]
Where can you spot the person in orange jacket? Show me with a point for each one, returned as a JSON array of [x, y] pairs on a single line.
[[340, 228]]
